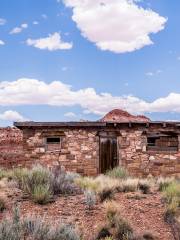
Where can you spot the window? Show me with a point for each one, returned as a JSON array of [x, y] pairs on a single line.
[[162, 142], [53, 143], [53, 140]]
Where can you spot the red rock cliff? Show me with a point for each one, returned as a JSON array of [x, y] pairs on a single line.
[[118, 115]]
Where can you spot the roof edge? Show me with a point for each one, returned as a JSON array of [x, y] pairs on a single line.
[[32, 124]]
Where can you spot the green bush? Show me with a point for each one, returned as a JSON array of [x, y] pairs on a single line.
[[39, 175], [172, 191], [41, 194], [41, 183], [20, 175], [118, 172], [163, 183]]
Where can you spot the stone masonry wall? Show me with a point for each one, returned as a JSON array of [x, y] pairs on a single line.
[[11, 150], [79, 150], [134, 155]]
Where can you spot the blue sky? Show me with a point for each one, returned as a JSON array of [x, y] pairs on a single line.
[[57, 59]]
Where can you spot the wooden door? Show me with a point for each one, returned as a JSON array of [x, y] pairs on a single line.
[[108, 153]]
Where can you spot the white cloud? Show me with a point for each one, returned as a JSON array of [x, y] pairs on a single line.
[[19, 29], [178, 58], [12, 116], [70, 115], [118, 25], [35, 22], [34, 92], [151, 74], [2, 21], [51, 43], [2, 42]]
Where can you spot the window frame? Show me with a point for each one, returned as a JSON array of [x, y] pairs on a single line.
[[163, 148], [56, 144]]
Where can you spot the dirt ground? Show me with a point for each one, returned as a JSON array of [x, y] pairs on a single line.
[[144, 214]]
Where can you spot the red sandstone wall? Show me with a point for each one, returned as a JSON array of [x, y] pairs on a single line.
[[11, 148]]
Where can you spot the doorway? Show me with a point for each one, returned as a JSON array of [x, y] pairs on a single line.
[[108, 152]]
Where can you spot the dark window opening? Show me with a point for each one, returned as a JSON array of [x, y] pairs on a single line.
[[53, 144], [53, 140], [162, 142]]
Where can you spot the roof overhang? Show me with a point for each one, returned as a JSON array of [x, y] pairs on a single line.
[[23, 125]]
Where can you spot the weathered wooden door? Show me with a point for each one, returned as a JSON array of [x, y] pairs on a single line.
[[108, 153]]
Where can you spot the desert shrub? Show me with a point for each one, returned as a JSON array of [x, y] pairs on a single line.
[[2, 204], [71, 176], [6, 174], [41, 194], [172, 191], [118, 172], [171, 210], [123, 229], [109, 238], [2, 173], [20, 175], [41, 183], [111, 209], [90, 198], [64, 232], [39, 175], [87, 183], [10, 228], [144, 186], [163, 183], [130, 185], [103, 233], [62, 182], [106, 194], [35, 228]]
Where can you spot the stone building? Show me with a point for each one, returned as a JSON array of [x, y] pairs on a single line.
[[142, 146]]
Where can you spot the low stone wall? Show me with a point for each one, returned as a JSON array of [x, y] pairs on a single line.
[[11, 148]]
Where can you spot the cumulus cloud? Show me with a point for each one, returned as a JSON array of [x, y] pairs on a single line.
[[2, 21], [34, 92], [17, 30], [2, 42], [12, 116], [52, 42], [118, 25]]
